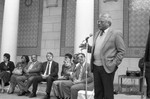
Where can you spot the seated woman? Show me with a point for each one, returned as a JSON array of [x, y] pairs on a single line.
[[18, 71], [6, 68], [67, 70]]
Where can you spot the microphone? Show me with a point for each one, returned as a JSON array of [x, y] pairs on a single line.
[[90, 35]]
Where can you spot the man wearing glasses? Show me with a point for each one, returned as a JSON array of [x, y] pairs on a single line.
[[106, 54], [71, 87]]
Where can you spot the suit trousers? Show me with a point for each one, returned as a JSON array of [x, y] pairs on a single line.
[[38, 79], [24, 82], [70, 90], [57, 89], [103, 83]]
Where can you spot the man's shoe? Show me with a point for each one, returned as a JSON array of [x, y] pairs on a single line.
[[21, 93], [32, 95], [148, 96], [46, 97], [10, 92], [27, 93], [115, 92]]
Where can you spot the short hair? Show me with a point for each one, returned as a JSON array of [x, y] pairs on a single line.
[[26, 57], [107, 17], [50, 53], [7, 56], [68, 55], [81, 54]]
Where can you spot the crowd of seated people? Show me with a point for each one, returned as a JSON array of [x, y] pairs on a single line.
[[25, 74]]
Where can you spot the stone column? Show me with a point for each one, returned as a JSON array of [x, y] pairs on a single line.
[[10, 29], [84, 22]]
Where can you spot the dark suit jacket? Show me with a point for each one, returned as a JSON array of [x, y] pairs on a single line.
[[10, 66], [54, 69], [113, 50]]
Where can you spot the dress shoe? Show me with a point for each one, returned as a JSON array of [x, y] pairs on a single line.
[[10, 92], [32, 95], [2, 90], [21, 93], [148, 96], [27, 93], [46, 97], [115, 92]]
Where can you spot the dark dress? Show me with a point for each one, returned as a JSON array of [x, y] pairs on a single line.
[[6, 71]]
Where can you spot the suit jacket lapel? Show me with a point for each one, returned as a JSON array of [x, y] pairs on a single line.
[[95, 37], [52, 64], [94, 40], [28, 65], [45, 66], [83, 70], [107, 37]]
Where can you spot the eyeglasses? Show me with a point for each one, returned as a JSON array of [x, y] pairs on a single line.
[[100, 22]]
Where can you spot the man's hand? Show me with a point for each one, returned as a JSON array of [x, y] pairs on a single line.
[[82, 46], [8, 71], [76, 81], [44, 76], [27, 71]]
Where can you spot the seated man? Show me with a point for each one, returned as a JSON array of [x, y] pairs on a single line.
[[31, 70], [67, 70], [49, 73], [70, 88]]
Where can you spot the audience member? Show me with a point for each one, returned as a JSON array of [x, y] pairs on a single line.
[[67, 71], [49, 73], [18, 71], [75, 59], [6, 68], [31, 70]]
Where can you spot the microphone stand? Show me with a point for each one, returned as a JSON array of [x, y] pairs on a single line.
[[142, 91], [86, 67]]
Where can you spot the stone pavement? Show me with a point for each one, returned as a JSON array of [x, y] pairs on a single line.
[[41, 93], [39, 96], [15, 96]]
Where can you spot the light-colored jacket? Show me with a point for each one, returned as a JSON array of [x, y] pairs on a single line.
[[89, 79], [113, 50], [35, 70]]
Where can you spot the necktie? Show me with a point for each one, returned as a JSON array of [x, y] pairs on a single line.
[[102, 32], [47, 71]]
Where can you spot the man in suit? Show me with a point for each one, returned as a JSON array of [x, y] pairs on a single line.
[[49, 73], [31, 70], [70, 88], [107, 53]]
